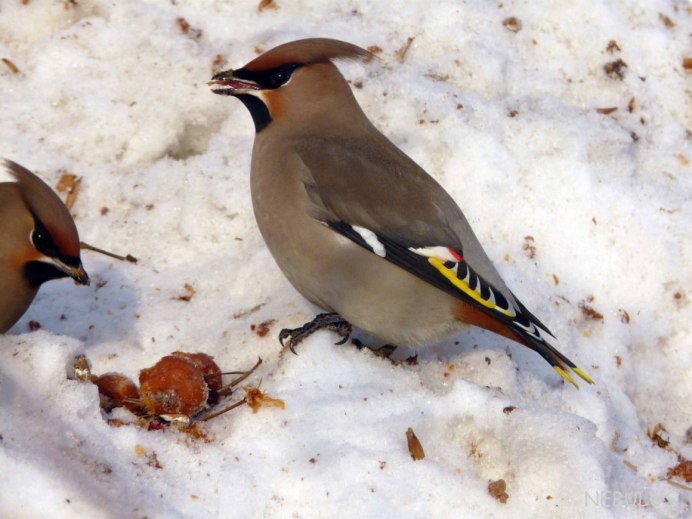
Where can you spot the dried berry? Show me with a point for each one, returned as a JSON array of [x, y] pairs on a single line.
[[205, 363], [173, 386], [116, 390]]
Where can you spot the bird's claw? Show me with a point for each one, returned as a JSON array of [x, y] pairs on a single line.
[[327, 321]]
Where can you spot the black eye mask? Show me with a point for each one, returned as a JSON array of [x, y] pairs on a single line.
[[268, 79]]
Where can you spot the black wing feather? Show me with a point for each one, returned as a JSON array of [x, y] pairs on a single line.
[[419, 266], [524, 323]]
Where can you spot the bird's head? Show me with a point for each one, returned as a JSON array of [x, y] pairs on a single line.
[[40, 238], [293, 82]]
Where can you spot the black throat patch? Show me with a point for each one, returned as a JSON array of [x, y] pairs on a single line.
[[258, 111], [38, 272]]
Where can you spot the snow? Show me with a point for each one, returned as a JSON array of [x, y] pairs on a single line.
[[507, 121]]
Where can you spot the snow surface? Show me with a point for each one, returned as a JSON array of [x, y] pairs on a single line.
[[507, 121]]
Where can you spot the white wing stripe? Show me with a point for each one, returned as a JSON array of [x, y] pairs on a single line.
[[370, 238]]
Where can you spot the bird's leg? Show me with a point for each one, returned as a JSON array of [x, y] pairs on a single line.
[[327, 321]]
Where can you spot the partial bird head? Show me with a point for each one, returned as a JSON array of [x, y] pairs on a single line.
[[295, 82], [38, 240]]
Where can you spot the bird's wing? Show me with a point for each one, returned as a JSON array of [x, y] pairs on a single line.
[[373, 185], [381, 200]]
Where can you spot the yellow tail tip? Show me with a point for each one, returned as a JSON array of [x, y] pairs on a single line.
[[583, 375], [565, 375]]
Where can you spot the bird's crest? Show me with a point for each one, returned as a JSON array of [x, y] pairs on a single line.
[[45, 205], [306, 52]]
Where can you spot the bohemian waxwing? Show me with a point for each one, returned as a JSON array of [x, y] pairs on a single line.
[[356, 226], [38, 241]]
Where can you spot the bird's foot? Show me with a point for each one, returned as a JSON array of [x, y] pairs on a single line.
[[327, 321]]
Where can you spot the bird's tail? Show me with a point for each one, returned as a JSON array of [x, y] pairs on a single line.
[[557, 360], [528, 328]]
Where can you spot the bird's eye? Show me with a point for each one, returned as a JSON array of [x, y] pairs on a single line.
[[40, 239], [281, 75]]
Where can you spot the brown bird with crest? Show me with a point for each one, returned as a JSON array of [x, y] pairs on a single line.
[[356, 226], [38, 241]]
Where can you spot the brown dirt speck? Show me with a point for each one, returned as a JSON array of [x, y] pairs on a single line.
[[529, 246], [498, 489], [414, 445], [256, 399], [659, 436], [267, 4], [189, 293], [615, 69], [588, 311], [613, 47], [512, 24], [218, 64], [666, 21], [10, 65], [187, 29], [34, 325], [263, 328], [682, 470], [401, 53]]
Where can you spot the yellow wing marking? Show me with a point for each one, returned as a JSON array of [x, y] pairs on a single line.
[[583, 375], [569, 379], [464, 287], [565, 375]]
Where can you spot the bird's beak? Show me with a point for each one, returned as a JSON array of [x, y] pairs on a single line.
[[80, 276], [75, 271], [225, 83]]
